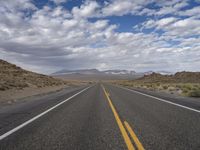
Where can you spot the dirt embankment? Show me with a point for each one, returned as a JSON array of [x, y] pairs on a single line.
[[13, 77], [16, 83]]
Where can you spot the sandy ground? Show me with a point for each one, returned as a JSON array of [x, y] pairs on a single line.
[[13, 95]]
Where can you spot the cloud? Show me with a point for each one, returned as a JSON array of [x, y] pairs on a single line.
[[183, 28], [120, 8], [51, 38], [140, 7], [88, 9], [175, 26], [159, 24], [170, 7], [15, 6], [194, 12], [166, 21], [102, 66]]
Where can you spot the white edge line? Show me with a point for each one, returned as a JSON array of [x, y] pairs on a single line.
[[38, 116], [160, 99]]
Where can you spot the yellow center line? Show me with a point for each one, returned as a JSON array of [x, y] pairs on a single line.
[[134, 136], [119, 122]]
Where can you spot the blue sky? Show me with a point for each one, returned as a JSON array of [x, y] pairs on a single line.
[[49, 35]]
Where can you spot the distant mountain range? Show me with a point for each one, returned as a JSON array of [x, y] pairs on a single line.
[[95, 72], [108, 72], [81, 71]]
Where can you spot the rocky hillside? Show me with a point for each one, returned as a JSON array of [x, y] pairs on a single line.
[[179, 77], [14, 77]]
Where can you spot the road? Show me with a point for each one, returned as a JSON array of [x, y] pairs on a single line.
[[100, 117]]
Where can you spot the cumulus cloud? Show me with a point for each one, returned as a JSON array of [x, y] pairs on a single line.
[[15, 6], [194, 12], [159, 24], [51, 38], [121, 7], [140, 7], [88, 9], [166, 21]]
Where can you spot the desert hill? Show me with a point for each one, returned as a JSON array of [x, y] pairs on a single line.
[[14, 77], [181, 83], [179, 77]]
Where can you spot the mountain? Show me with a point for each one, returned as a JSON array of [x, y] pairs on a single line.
[[14, 77], [179, 77], [192, 77], [94, 71], [81, 71], [94, 74]]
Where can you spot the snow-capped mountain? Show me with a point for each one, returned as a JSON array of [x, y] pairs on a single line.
[[95, 71]]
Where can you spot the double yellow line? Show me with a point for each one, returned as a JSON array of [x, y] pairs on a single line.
[[124, 128]]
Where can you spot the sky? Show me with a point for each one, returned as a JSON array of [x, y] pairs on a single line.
[[142, 35]]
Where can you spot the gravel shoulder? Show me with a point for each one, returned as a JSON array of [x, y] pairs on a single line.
[[12, 96]]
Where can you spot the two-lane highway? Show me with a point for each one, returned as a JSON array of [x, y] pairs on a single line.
[[107, 117]]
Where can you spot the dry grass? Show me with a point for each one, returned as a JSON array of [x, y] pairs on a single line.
[[181, 83], [184, 89]]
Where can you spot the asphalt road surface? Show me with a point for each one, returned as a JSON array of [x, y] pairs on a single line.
[[100, 117]]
